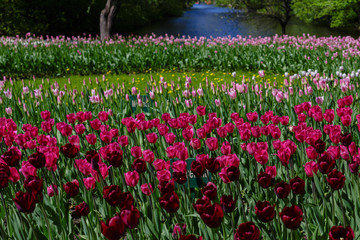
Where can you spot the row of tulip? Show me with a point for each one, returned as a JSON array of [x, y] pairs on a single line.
[[241, 160], [61, 56]]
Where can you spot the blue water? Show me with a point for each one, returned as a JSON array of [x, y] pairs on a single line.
[[209, 20]]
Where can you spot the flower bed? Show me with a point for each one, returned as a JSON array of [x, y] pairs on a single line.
[[284, 163]]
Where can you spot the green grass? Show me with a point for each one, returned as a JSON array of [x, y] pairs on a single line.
[[140, 80]]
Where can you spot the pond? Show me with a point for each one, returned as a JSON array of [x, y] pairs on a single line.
[[210, 20]]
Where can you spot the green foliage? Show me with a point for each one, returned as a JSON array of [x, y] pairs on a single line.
[[68, 17], [336, 13], [58, 57]]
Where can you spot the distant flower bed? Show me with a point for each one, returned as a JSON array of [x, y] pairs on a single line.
[[61, 56], [237, 161]]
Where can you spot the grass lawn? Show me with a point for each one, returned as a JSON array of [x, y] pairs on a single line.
[[140, 80]]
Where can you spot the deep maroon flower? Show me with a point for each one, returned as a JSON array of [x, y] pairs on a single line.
[[319, 146], [197, 168], [189, 237], [72, 188], [37, 159], [12, 156], [166, 187], [265, 211], [227, 203], [170, 202], [25, 202], [336, 179], [325, 163], [282, 189], [233, 173], [247, 231], [34, 185], [112, 194], [346, 139], [114, 228], [210, 190], [291, 217], [130, 217], [212, 164], [264, 180], [213, 215], [4, 175], [297, 185], [82, 209], [70, 150], [139, 165], [201, 204], [341, 233], [126, 200]]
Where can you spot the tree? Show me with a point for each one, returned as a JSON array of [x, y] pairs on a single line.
[[107, 16], [337, 13], [277, 9]]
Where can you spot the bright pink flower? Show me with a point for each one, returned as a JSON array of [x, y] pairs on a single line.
[[132, 178]]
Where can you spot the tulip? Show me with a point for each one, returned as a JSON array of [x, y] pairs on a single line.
[[247, 231], [114, 228], [291, 217]]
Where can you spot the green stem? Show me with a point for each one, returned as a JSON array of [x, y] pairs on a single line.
[[31, 226], [6, 214], [342, 209], [46, 220], [333, 207]]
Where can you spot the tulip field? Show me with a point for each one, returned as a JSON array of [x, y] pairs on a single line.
[[244, 159]]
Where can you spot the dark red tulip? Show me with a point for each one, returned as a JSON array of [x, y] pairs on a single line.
[[114, 228], [264, 180], [297, 185], [336, 179], [126, 200], [82, 209], [130, 217], [25, 202], [247, 231], [12, 156], [197, 168], [213, 215], [37, 159], [34, 185], [212, 164], [4, 175], [319, 146], [325, 163], [139, 165], [291, 217], [346, 139], [233, 173], [72, 188], [166, 187], [170, 202], [227, 203], [265, 211], [201, 204], [70, 150], [210, 190], [282, 189], [112, 195], [341, 233]]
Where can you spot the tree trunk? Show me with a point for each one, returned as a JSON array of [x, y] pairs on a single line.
[[283, 27], [106, 18]]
